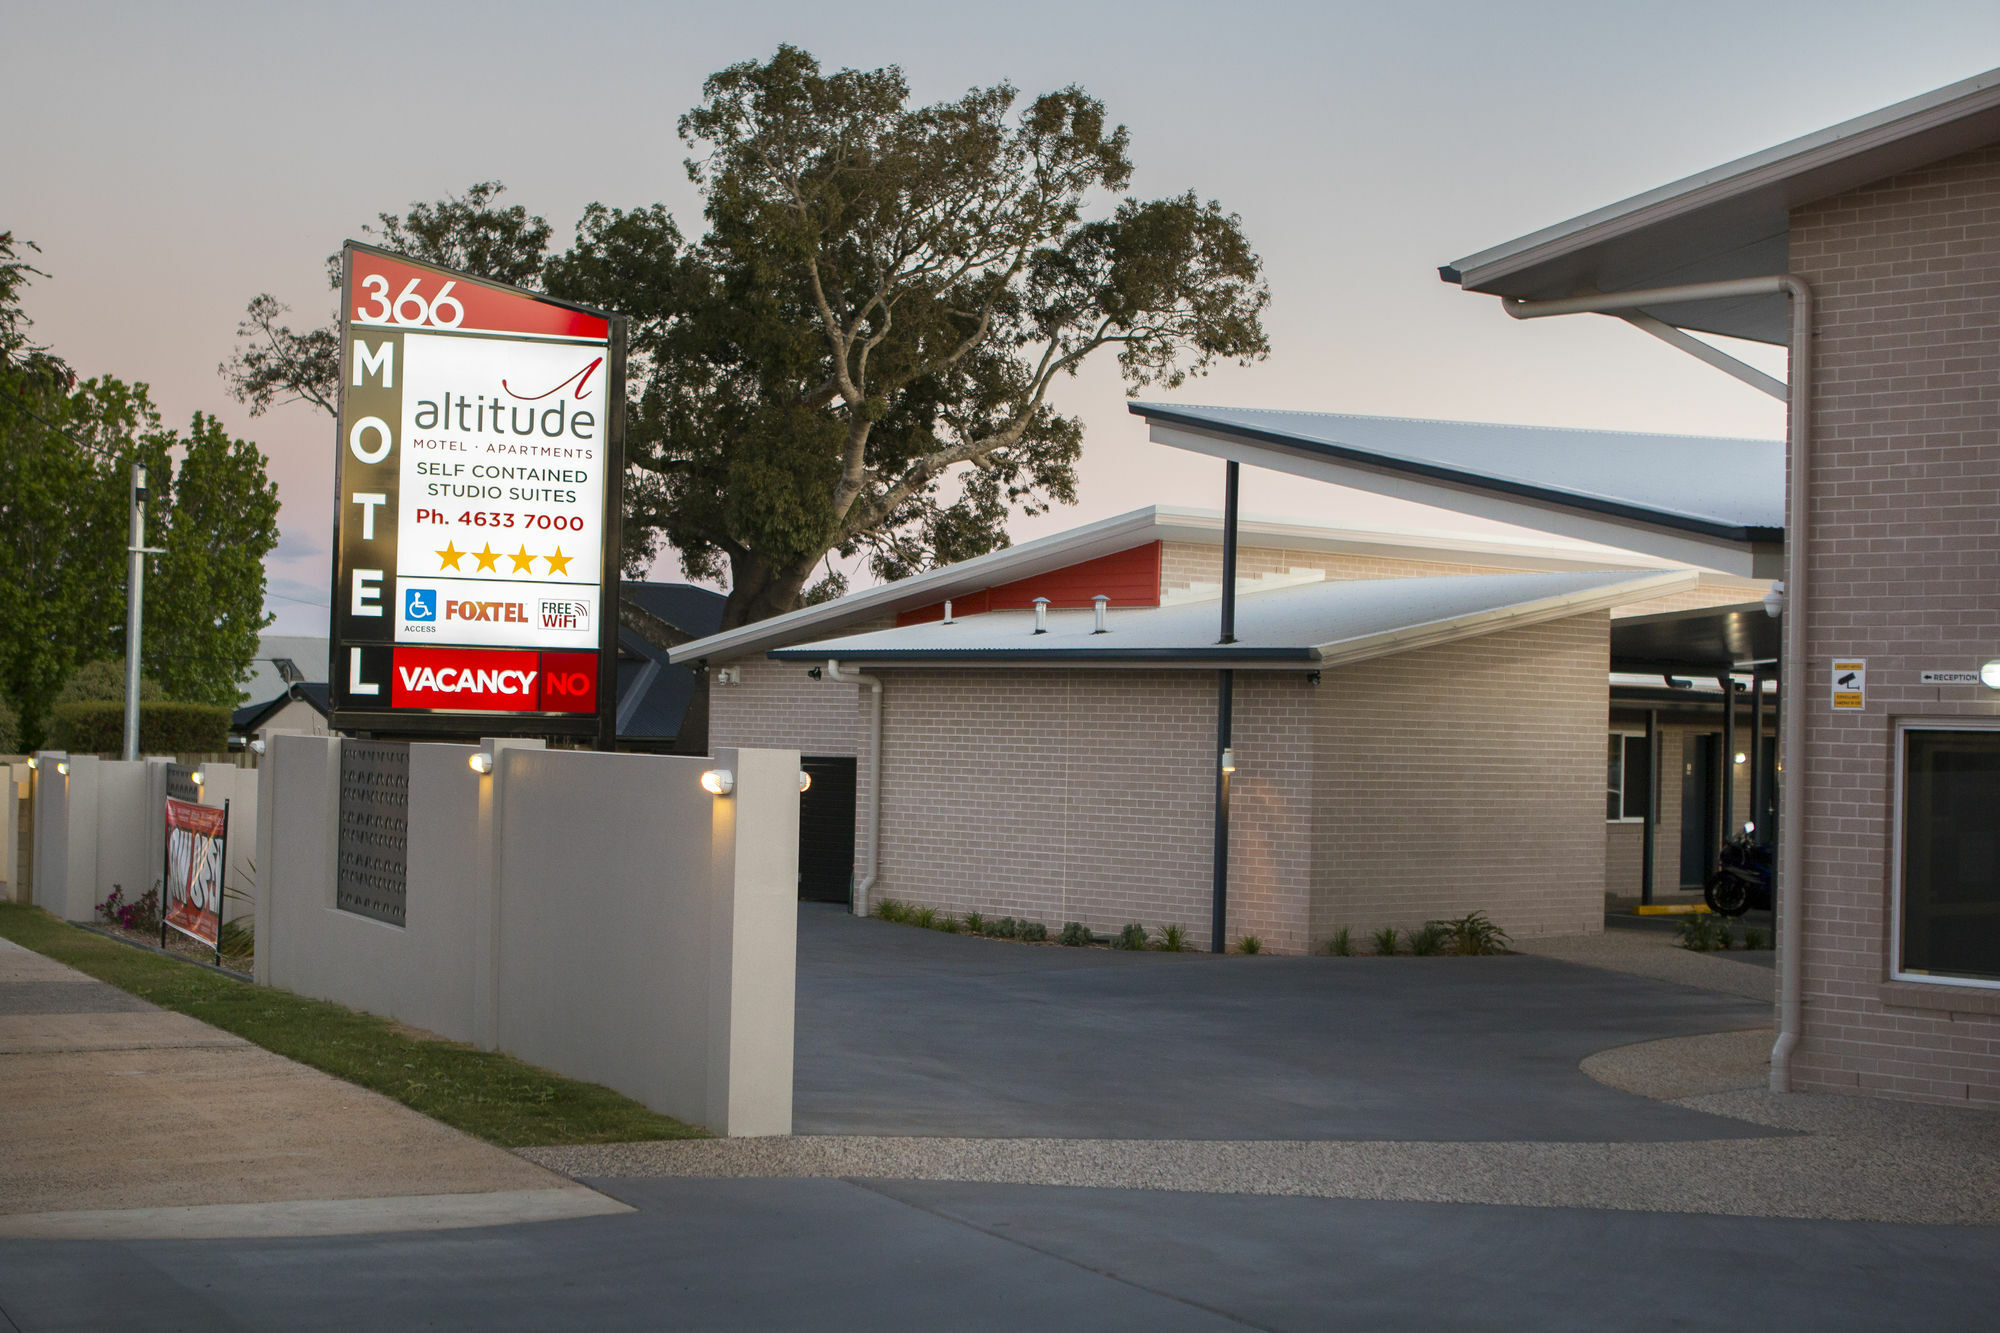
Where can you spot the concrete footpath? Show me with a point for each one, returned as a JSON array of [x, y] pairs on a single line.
[[124, 1120]]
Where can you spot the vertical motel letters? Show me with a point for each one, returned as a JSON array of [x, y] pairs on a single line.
[[370, 464]]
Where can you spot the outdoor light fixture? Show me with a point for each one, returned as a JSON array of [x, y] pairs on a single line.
[[63, 768], [1774, 601], [256, 747], [1741, 757], [481, 763], [805, 781], [1229, 759], [33, 763], [719, 782], [1989, 675], [198, 777]]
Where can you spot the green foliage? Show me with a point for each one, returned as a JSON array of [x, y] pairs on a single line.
[[1755, 939], [1133, 936], [103, 681], [888, 909], [238, 939], [495, 1097], [1171, 939], [164, 728], [922, 916], [1427, 939], [1006, 928], [66, 456], [1249, 944], [1704, 932], [1472, 934], [975, 923], [1342, 943], [1034, 932], [1384, 940], [1074, 934], [947, 923], [10, 728], [857, 357]]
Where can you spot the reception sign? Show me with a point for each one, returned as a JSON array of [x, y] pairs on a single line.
[[191, 887], [476, 532]]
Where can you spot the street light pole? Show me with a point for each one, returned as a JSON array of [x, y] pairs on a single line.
[[135, 598]]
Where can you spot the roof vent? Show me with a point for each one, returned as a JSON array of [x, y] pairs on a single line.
[[1100, 601], [947, 612], [1041, 615]]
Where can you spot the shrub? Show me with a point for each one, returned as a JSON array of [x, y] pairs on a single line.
[[1754, 939], [1702, 932], [923, 916], [946, 923], [143, 915], [238, 938], [1172, 939], [975, 924], [1132, 937], [1006, 928], [1342, 943], [1427, 939], [164, 728], [1075, 934], [1384, 941], [888, 909], [1249, 944], [10, 728], [1034, 932], [1473, 934]]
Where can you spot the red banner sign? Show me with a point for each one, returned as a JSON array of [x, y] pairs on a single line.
[[497, 680], [397, 295], [191, 902]]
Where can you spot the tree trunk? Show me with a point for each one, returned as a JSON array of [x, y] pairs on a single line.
[[757, 591]]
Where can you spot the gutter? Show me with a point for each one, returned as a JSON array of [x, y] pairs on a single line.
[[874, 824], [1791, 690]]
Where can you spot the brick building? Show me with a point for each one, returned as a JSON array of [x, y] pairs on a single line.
[[1872, 250], [1419, 727]]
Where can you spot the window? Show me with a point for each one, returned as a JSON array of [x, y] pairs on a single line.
[[1948, 855], [1628, 778]]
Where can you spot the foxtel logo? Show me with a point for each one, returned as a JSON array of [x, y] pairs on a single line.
[[467, 680], [513, 613]]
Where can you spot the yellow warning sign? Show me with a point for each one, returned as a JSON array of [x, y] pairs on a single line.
[[1850, 684]]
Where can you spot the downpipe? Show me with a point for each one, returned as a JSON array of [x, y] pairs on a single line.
[[1792, 692], [874, 823]]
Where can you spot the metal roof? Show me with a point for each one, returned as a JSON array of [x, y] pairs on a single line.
[[1714, 493], [1120, 533], [1709, 639], [1733, 221], [1306, 625], [264, 682]]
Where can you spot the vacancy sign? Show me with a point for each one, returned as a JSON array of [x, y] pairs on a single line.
[[1850, 684], [475, 538]]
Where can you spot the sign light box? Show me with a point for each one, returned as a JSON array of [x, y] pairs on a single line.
[[477, 505]]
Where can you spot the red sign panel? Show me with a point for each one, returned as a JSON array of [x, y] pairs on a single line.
[[397, 295], [495, 680], [195, 847]]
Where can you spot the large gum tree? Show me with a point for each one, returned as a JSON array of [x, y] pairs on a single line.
[[858, 357]]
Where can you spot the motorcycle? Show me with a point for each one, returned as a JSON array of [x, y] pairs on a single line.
[[1743, 879]]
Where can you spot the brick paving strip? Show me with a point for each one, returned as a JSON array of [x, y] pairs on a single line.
[[121, 1119]]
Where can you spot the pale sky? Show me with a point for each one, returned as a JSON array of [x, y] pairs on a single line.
[[174, 160]]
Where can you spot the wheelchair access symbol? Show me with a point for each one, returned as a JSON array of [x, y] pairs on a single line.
[[420, 604]]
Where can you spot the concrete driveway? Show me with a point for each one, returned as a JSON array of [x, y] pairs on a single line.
[[906, 1031]]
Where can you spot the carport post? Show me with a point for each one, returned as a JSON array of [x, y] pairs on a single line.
[[1757, 778], [1729, 827], [1225, 700], [1652, 806]]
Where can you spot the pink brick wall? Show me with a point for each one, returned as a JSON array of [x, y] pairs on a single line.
[[1468, 776], [1905, 570]]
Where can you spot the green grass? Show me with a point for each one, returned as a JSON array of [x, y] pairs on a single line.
[[491, 1096]]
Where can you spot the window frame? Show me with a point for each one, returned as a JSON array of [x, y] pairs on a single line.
[[1898, 822], [1624, 772]]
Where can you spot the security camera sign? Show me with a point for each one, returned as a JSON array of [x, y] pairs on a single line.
[[1850, 684], [477, 489]]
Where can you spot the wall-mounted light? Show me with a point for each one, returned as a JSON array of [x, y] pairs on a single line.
[[1774, 601], [198, 777], [33, 763], [805, 781], [718, 782], [257, 747], [1989, 675], [63, 768], [481, 763], [1741, 757], [1229, 759]]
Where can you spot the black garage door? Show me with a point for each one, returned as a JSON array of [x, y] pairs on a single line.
[[826, 830]]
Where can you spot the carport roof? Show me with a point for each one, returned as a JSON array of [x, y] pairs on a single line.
[[1705, 640], [1315, 624]]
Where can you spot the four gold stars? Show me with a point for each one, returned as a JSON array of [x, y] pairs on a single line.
[[489, 558]]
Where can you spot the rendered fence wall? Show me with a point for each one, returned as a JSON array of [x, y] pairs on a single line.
[[600, 915], [11, 806]]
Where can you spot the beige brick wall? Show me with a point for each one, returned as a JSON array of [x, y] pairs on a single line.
[[1905, 571], [1623, 843], [779, 706], [1468, 776], [1088, 796], [1183, 564]]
